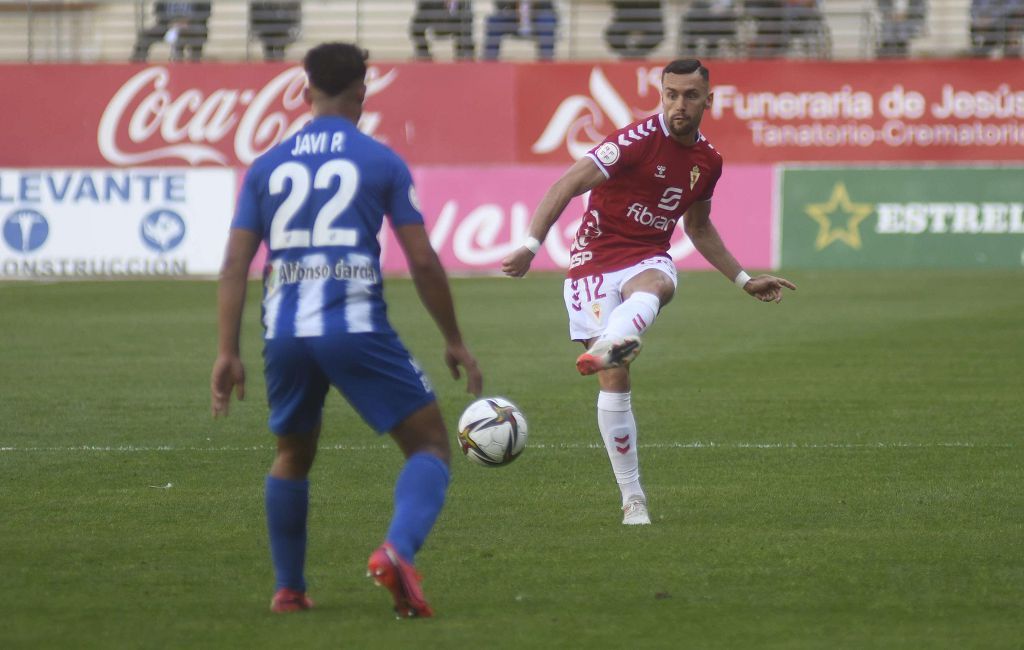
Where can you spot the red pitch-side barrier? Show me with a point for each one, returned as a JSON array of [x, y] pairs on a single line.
[[764, 111]]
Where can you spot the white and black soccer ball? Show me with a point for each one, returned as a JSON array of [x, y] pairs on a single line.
[[492, 431]]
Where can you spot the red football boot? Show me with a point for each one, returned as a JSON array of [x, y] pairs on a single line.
[[388, 569], [289, 600]]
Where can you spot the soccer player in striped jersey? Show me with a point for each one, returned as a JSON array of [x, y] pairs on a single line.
[[643, 179], [318, 200]]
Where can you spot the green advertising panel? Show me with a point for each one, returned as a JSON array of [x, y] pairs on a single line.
[[902, 217]]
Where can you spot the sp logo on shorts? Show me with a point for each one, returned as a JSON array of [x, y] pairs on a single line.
[[608, 153]]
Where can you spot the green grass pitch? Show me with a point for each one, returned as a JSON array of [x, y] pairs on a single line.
[[843, 470]]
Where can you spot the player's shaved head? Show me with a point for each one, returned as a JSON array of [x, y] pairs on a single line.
[[687, 66], [333, 68]]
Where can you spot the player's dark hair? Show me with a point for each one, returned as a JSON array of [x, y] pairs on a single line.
[[687, 66], [333, 67]]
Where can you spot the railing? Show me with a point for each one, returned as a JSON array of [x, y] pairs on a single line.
[[111, 30]]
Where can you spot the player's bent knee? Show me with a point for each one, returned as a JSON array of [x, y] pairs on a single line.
[[664, 288], [295, 454], [666, 292], [423, 432], [653, 281]]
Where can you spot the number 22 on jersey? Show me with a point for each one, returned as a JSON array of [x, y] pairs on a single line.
[[323, 233]]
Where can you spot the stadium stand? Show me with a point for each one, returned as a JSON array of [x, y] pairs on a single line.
[[104, 30]]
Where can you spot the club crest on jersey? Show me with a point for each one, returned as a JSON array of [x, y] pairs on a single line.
[[608, 153], [589, 230], [694, 176], [661, 173]]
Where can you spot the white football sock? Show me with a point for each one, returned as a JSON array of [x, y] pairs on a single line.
[[632, 317], [618, 428]]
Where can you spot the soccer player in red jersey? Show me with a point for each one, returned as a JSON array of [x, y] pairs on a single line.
[[644, 178]]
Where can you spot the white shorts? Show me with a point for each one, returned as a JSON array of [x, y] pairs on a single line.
[[592, 298]]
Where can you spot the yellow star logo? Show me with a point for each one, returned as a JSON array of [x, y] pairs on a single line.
[[836, 209]]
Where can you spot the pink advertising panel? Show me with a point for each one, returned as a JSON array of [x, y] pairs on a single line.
[[476, 216]]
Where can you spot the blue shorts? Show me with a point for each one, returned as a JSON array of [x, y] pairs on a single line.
[[373, 371]]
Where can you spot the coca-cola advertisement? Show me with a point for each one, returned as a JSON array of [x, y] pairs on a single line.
[[228, 114]]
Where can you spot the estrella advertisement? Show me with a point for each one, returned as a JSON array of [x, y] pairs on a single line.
[[903, 217]]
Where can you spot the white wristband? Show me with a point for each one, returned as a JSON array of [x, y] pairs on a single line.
[[532, 244], [741, 279]]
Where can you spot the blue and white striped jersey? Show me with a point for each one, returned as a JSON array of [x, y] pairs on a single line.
[[318, 200]]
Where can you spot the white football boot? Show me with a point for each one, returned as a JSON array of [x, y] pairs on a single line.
[[634, 513], [609, 354]]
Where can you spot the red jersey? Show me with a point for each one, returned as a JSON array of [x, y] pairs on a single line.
[[652, 181]]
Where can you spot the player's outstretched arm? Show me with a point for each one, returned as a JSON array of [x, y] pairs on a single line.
[[582, 177], [432, 285], [228, 372], [705, 238]]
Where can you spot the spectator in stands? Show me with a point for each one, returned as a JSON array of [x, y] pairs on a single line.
[[636, 28], [900, 21], [444, 18], [276, 25], [711, 22], [182, 24], [522, 19], [803, 21], [769, 40], [1015, 32], [781, 24], [996, 24]]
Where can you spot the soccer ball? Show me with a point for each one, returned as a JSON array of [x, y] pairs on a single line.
[[492, 431]]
